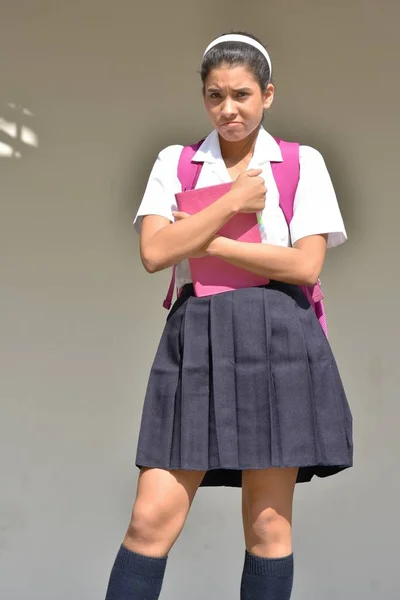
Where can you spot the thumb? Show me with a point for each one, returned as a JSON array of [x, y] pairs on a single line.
[[179, 215], [253, 172]]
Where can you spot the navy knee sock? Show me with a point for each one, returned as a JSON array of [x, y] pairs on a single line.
[[135, 577], [267, 578]]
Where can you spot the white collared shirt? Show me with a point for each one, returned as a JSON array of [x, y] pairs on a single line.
[[316, 209]]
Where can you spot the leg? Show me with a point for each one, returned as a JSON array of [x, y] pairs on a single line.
[[267, 511], [267, 521], [162, 504]]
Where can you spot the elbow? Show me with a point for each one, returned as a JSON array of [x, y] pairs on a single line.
[[151, 262], [150, 267], [310, 281], [311, 275]]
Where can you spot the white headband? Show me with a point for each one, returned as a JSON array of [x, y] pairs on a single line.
[[246, 40]]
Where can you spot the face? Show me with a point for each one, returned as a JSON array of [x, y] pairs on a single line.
[[234, 101]]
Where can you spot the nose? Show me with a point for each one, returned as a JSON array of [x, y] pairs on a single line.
[[228, 108]]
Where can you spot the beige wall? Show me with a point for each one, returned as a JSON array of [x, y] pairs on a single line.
[[96, 89]]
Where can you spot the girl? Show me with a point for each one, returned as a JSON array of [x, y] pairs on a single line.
[[244, 390]]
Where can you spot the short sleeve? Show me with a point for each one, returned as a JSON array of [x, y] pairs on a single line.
[[316, 209], [163, 184]]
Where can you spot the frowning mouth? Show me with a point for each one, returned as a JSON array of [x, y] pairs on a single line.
[[231, 124]]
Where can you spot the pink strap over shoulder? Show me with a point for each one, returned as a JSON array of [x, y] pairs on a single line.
[[189, 171], [287, 175], [188, 174]]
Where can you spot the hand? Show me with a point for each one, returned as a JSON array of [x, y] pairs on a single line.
[[250, 190], [203, 251]]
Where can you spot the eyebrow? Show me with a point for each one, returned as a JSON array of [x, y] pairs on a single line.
[[244, 89]]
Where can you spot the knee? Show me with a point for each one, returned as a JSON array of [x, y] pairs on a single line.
[[154, 523], [272, 531]]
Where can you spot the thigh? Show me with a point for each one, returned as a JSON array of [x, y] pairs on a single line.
[[170, 490], [267, 505]]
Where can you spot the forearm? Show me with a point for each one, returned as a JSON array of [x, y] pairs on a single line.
[[172, 244], [290, 265]]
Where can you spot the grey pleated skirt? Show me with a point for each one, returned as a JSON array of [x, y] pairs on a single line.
[[245, 380]]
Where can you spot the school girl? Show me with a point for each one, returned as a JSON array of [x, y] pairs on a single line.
[[244, 390]]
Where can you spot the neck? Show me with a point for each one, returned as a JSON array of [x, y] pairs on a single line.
[[234, 152]]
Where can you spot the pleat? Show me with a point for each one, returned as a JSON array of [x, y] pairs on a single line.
[[156, 437], [224, 393], [332, 416], [289, 365], [195, 386], [175, 459], [275, 450], [252, 384]]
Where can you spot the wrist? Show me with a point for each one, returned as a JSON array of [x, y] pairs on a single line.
[[217, 245], [233, 198]]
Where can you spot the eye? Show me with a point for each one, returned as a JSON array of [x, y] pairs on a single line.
[[215, 95], [242, 94]]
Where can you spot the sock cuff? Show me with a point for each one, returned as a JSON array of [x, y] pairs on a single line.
[[277, 567], [146, 566]]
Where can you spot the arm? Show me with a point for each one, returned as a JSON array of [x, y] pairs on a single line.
[[316, 225], [300, 265], [163, 243]]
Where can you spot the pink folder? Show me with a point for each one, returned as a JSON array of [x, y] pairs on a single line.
[[213, 275]]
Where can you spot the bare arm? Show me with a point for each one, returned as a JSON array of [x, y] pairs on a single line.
[[300, 265], [163, 244]]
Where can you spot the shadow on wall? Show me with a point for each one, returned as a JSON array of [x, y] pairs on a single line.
[[17, 132]]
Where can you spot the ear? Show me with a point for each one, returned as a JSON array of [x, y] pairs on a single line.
[[269, 96]]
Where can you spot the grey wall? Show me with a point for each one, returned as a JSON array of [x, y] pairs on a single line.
[[90, 91]]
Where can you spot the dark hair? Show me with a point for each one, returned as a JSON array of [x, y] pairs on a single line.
[[237, 53]]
